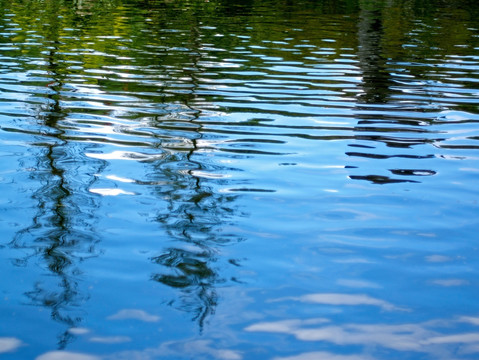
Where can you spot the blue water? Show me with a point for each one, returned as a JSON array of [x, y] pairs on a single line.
[[239, 180]]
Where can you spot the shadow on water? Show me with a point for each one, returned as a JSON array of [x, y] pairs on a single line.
[[62, 232]]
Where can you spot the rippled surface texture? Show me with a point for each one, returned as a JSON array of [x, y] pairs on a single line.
[[239, 179]]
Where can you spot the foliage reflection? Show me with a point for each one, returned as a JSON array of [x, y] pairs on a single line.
[[62, 232]]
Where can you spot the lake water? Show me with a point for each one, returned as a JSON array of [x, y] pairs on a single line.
[[194, 179]]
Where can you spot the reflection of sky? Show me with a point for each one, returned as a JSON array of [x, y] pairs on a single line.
[[66, 355], [8, 344], [323, 355], [345, 299], [447, 338], [439, 338], [134, 314]]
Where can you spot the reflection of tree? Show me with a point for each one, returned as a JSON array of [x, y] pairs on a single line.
[[61, 233], [397, 40], [380, 46], [195, 211], [62, 230], [372, 60], [193, 219]]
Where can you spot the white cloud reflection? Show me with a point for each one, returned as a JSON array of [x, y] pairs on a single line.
[[323, 355], [191, 349], [8, 344], [454, 339], [450, 282], [338, 299], [66, 355], [469, 319], [360, 284], [438, 258], [78, 331], [397, 337], [110, 339], [422, 337], [135, 314], [441, 338]]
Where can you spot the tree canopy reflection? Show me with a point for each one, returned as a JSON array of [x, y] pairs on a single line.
[[62, 232], [194, 219]]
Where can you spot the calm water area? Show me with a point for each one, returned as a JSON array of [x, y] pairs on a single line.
[[239, 180]]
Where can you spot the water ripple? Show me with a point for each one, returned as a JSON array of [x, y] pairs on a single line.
[[334, 143]]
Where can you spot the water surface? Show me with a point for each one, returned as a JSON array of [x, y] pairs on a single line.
[[239, 180]]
